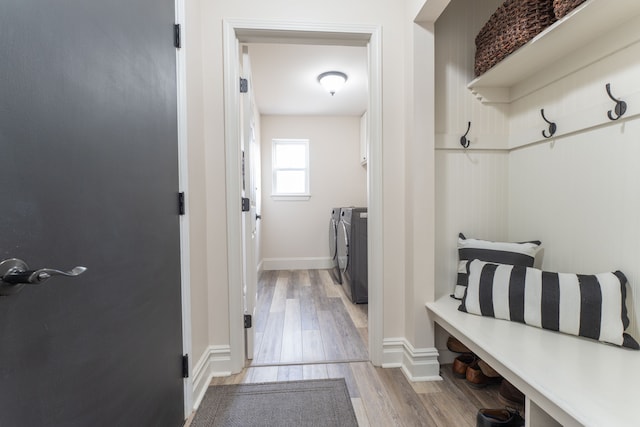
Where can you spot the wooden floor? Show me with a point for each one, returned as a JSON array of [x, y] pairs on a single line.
[[310, 307], [303, 316]]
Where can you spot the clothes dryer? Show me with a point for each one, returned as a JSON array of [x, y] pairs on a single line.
[[334, 220], [352, 253]]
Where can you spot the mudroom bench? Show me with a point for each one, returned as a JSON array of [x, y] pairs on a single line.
[[567, 380]]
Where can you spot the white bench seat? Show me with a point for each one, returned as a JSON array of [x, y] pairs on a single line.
[[574, 380]]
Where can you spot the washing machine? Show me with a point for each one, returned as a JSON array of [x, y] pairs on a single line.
[[352, 253], [334, 220]]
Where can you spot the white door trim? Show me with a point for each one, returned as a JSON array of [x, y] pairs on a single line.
[[183, 181], [236, 31]]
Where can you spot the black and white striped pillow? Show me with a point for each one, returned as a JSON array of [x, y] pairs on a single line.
[[591, 306], [523, 253]]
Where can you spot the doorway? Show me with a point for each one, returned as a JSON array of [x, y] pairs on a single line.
[[304, 126], [236, 32]]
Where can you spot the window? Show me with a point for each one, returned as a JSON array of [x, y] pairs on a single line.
[[290, 166]]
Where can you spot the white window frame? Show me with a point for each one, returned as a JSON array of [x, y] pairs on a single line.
[[274, 170]]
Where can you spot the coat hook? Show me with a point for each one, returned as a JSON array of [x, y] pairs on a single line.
[[621, 106], [463, 139], [552, 126]]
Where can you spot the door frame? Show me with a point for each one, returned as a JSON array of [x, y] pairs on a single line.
[[183, 186], [370, 36]]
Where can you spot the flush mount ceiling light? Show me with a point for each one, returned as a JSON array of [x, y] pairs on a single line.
[[332, 81]]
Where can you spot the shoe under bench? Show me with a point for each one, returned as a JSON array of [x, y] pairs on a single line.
[[567, 380]]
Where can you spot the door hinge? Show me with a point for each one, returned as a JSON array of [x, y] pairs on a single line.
[[177, 42], [244, 85], [247, 321], [246, 204], [185, 366], [181, 204]]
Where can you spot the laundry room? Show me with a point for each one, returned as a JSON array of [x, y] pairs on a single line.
[[313, 173]]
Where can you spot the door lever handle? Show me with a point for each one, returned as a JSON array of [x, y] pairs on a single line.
[[15, 273]]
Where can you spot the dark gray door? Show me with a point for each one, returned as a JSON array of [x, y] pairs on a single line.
[[89, 176]]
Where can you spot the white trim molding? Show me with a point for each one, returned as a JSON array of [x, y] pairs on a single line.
[[417, 364], [214, 362], [183, 185], [303, 263]]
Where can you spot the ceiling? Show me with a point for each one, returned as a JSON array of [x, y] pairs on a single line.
[[285, 79]]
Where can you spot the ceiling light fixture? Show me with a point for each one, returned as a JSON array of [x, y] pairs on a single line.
[[332, 81]]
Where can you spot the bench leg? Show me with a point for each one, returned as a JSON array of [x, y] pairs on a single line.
[[536, 417]]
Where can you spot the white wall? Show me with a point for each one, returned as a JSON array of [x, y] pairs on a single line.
[[196, 198], [295, 233]]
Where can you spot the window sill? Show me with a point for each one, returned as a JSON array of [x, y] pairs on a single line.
[[290, 197]]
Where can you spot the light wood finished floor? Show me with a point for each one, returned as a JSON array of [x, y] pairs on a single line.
[[303, 316], [309, 330]]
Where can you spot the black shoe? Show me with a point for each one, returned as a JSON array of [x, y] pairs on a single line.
[[499, 418]]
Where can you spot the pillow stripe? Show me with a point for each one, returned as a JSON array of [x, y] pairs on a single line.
[[516, 293], [623, 280], [505, 257], [486, 289], [550, 301], [591, 306], [612, 327]]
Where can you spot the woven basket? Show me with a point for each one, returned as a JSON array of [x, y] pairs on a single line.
[[511, 26], [562, 7]]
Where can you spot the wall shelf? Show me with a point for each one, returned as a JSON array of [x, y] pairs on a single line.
[[592, 31]]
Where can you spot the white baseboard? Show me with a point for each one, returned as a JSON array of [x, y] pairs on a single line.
[[214, 362], [417, 364], [306, 263]]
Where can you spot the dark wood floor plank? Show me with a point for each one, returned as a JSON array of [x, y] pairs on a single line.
[[317, 290], [295, 284], [351, 340], [309, 316], [331, 339], [266, 287]]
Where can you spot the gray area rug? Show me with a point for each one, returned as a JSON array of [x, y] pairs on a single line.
[[309, 403]]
